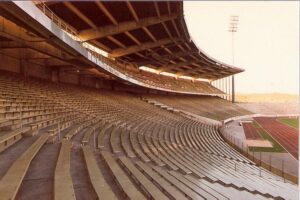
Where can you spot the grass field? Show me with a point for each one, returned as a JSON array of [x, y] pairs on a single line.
[[276, 146], [292, 122]]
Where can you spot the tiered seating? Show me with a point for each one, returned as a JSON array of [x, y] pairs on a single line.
[[63, 187], [210, 107], [126, 144], [25, 110], [91, 130], [12, 180], [99, 184], [163, 184], [152, 191], [165, 82], [121, 178], [140, 151]]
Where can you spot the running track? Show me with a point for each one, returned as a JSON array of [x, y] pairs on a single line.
[[285, 135], [250, 131]]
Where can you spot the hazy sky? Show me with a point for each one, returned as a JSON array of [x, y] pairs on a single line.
[[266, 44]]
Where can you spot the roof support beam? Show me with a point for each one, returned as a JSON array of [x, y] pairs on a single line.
[[178, 54], [132, 11], [145, 29], [204, 76], [172, 66], [79, 14], [106, 12], [136, 48], [186, 72], [100, 32], [136, 18], [133, 38], [117, 42], [101, 46], [115, 28], [173, 22], [48, 3], [70, 6], [166, 28]]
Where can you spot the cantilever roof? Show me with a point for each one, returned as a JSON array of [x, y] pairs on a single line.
[[152, 34]]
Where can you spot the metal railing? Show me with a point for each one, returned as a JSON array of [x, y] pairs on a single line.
[[74, 34], [54, 18]]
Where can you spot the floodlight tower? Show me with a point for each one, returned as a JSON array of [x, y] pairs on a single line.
[[233, 25]]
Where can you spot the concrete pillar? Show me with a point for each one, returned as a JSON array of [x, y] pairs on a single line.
[[55, 75], [23, 68], [233, 92], [221, 85], [79, 80], [228, 88], [97, 84]]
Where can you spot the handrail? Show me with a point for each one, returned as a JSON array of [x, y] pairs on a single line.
[[74, 35], [54, 18]]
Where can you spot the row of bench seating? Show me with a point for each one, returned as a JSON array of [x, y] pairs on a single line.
[[63, 186], [150, 153], [167, 82], [11, 181], [210, 107], [157, 183]]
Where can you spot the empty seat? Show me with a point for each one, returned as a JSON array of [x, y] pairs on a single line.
[[102, 188], [63, 186], [11, 181], [151, 189], [121, 178]]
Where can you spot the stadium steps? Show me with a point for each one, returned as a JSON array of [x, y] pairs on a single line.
[[11, 181]]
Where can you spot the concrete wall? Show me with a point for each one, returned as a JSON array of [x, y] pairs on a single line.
[[129, 88], [68, 78], [87, 81], [38, 71], [24, 67], [9, 64], [29, 69]]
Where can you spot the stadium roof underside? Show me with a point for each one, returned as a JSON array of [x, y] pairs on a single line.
[[151, 34]]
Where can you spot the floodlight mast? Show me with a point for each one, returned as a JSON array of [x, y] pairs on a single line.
[[233, 26]]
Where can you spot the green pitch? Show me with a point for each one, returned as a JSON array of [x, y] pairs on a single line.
[[292, 122]]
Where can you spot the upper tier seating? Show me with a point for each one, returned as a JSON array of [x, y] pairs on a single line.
[[206, 106], [114, 143], [165, 82]]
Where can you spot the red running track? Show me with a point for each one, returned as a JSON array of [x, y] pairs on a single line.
[[285, 135], [250, 131]]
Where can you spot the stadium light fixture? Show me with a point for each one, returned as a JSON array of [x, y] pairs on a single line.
[[95, 49], [186, 77], [168, 74], [203, 79], [233, 27], [148, 69]]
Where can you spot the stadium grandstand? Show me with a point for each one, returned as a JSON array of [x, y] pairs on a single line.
[[114, 100]]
